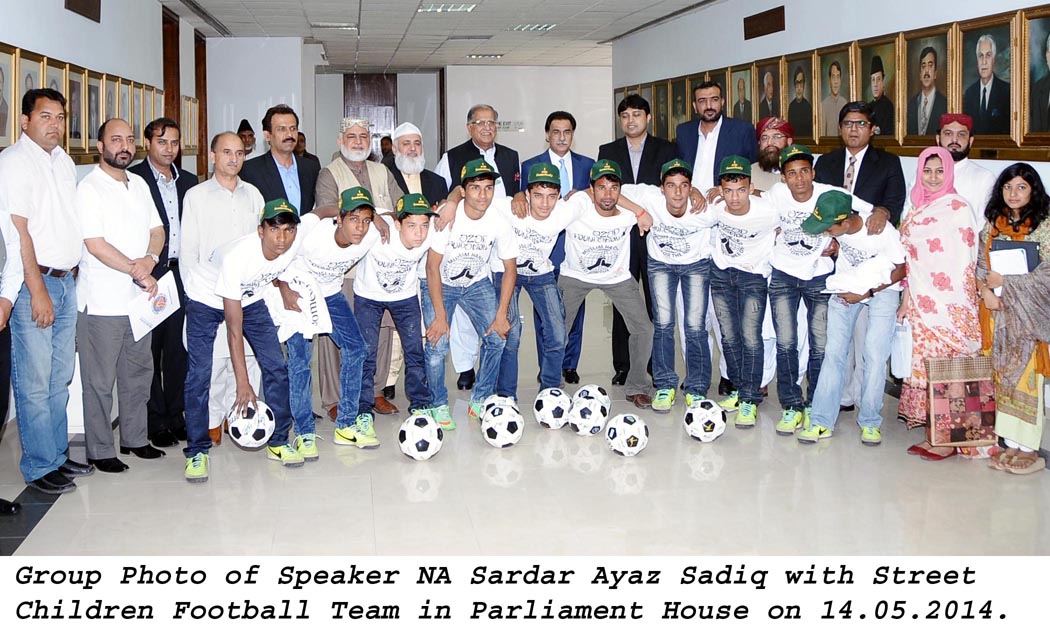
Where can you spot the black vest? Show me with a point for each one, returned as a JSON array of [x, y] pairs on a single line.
[[506, 163]]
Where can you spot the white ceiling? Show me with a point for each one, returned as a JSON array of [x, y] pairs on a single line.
[[393, 37]]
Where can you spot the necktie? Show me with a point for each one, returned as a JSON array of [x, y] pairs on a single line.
[[984, 100], [924, 115], [850, 172], [566, 185]]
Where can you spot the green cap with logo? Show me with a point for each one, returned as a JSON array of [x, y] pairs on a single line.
[[834, 206], [605, 168], [793, 152], [734, 165], [544, 173], [413, 203], [275, 207], [675, 164], [477, 168], [355, 197]]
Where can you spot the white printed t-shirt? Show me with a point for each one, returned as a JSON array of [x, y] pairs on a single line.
[[744, 242], [323, 259], [390, 271], [536, 239], [468, 246], [673, 240], [855, 249], [597, 248]]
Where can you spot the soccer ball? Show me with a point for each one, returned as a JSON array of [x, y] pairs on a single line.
[[705, 421], [551, 408], [502, 425], [495, 400], [420, 437], [253, 429], [587, 416], [594, 391], [627, 434]]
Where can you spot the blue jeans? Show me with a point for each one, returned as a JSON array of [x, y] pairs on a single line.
[[546, 299], [347, 336], [695, 281], [41, 369], [882, 316], [202, 322], [740, 304], [574, 342], [785, 292], [407, 321], [479, 303]]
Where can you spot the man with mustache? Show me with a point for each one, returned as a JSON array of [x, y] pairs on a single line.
[[247, 135], [926, 108], [774, 135], [122, 235], [972, 182], [279, 174]]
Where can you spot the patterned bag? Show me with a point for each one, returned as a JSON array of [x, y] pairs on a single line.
[[962, 401]]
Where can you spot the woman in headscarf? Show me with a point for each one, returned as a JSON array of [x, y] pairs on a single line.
[[940, 300], [1015, 326]]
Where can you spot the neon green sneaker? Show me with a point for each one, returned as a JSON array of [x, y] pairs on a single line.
[[870, 436], [443, 417], [731, 403], [353, 436], [805, 416], [693, 398], [790, 421], [813, 433], [286, 454], [306, 445], [364, 424], [197, 468], [663, 401], [475, 410], [747, 415], [429, 412]]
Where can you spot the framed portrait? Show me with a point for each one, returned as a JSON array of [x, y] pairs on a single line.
[[76, 110], [30, 74], [147, 106], [646, 91], [681, 104], [9, 105], [768, 88], [192, 120], [94, 108], [694, 81], [136, 112], [738, 104], [55, 76], [987, 74], [878, 82], [661, 110], [834, 87], [926, 74], [800, 96], [618, 96], [111, 86], [124, 108], [1036, 70], [158, 103], [719, 76]]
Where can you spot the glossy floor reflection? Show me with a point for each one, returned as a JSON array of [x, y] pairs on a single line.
[[750, 492]]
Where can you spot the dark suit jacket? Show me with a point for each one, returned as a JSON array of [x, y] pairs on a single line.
[[940, 107], [743, 113], [581, 169], [262, 173], [996, 119], [655, 153], [880, 182], [885, 115], [735, 138], [184, 182], [1040, 105], [434, 188], [800, 116], [767, 109]]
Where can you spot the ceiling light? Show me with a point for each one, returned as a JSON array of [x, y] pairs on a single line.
[[485, 56], [453, 38], [532, 27], [445, 7], [342, 26]]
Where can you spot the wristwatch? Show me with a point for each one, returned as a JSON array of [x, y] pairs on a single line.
[[156, 259]]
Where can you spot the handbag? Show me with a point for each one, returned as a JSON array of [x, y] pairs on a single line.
[[900, 350], [962, 401]]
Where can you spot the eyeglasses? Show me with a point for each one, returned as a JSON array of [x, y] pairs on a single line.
[[484, 123], [774, 137], [855, 123]]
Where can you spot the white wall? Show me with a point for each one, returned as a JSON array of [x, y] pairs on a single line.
[[328, 107], [528, 94], [313, 56], [419, 102]]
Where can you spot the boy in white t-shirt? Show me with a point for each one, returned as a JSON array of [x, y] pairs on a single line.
[[857, 250]]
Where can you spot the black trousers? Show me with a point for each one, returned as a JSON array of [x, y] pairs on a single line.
[[621, 352], [5, 373], [166, 397]]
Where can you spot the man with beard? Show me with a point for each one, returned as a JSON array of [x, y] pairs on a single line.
[[800, 110], [972, 182], [774, 135], [408, 165], [926, 108], [123, 235], [279, 174], [247, 135], [884, 115], [833, 103]]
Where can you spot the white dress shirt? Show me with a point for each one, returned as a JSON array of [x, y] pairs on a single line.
[[856, 167], [704, 162], [556, 161], [169, 195]]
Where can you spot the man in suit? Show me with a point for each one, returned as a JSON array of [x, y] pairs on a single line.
[[926, 108], [742, 107], [279, 174], [166, 424], [800, 110], [988, 99], [640, 157], [1040, 98], [881, 106], [574, 172], [768, 106]]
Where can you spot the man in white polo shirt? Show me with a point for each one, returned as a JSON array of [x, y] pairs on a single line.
[[122, 236]]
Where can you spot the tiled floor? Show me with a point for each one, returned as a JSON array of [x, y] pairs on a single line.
[[750, 492]]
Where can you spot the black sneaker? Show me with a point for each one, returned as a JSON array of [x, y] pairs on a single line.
[[725, 387], [53, 483], [466, 380]]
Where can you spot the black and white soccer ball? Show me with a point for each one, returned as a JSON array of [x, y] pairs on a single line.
[[627, 434], [495, 400], [705, 421], [551, 408], [594, 391], [587, 416], [251, 429], [502, 425], [420, 436]]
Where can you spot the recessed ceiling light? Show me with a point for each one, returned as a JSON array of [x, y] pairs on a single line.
[[467, 37], [342, 26], [485, 56], [532, 27], [445, 7]]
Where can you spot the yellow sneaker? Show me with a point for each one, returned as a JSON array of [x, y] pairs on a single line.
[[286, 454]]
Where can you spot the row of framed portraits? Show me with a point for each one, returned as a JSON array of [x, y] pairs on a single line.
[[996, 69]]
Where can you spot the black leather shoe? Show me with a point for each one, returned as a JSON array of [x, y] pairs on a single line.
[[570, 376], [53, 483], [163, 439], [620, 378], [108, 465], [466, 381], [389, 392], [177, 425], [8, 508], [75, 469], [144, 452], [725, 387]]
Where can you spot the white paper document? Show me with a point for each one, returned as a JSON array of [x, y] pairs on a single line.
[[146, 313], [1007, 263]]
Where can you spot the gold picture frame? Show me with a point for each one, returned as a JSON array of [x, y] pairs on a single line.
[[834, 64], [871, 55], [769, 74], [95, 107], [10, 105], [76, 110], [1035, 85], [926, 57], [799, 110], [738, 103], [1001, 127], [30, 73], [662, 109]]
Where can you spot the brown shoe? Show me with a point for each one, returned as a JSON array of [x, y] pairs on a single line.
[[384, 406], [640, 401], [216, 433], [333, 412]]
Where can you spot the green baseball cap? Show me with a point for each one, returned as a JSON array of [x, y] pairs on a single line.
[[275, 207], [413, 203], [544, 173], [355, 197], [605, 168], [834, 206], [477, 168], [795, 151], [734, 165], [673, 165]]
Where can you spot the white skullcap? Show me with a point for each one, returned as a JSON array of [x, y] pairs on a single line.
[[350, 122], [406, 128]]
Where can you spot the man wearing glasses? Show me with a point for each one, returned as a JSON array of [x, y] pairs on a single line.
[[774, 135]]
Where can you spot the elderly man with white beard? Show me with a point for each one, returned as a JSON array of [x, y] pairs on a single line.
[[409, 166]]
